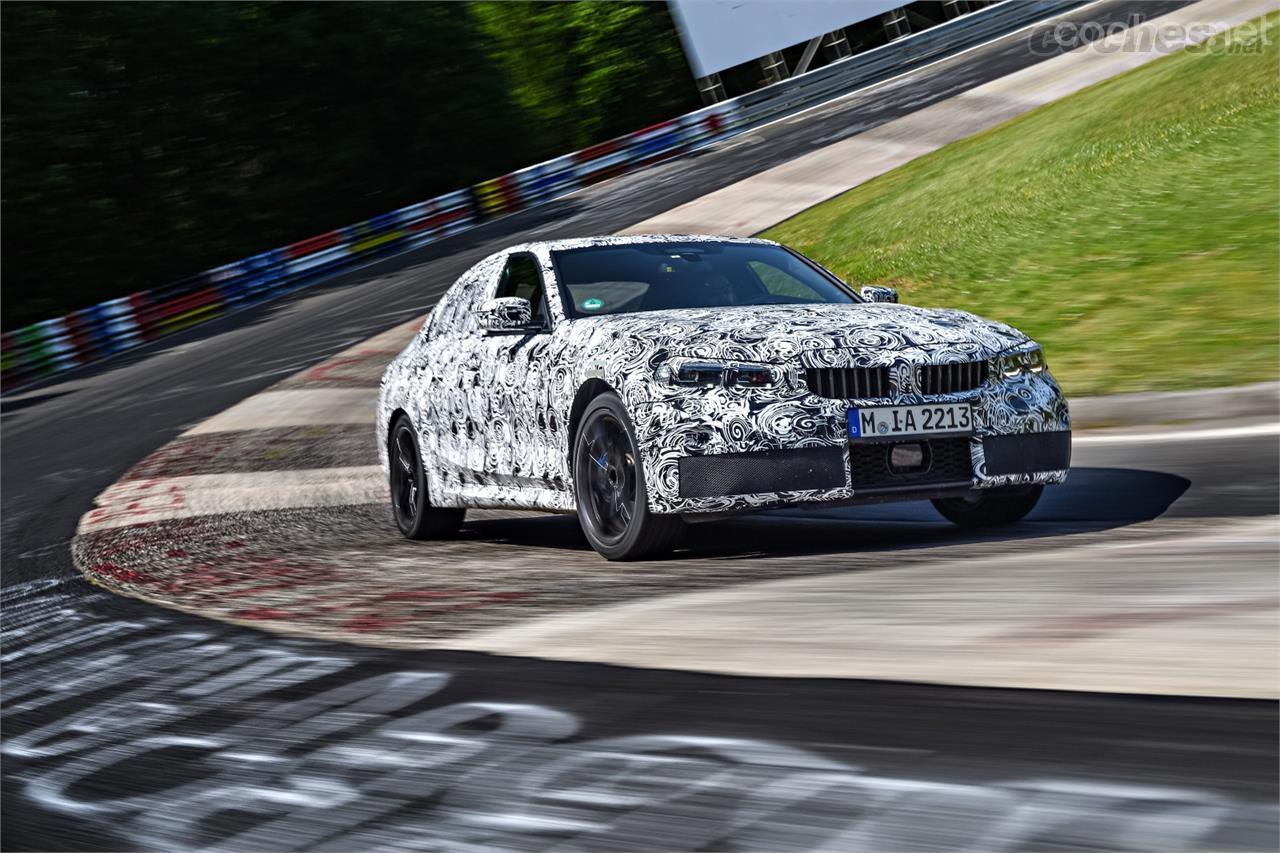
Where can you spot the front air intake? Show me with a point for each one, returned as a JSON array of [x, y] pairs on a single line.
[[762, 471]]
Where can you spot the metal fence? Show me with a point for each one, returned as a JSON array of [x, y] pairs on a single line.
[[35, 352]]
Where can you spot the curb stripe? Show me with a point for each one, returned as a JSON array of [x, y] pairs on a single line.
[[301, 407], [164, 498], [1177, 435]]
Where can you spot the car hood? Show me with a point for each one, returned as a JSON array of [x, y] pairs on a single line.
[[858, 334]]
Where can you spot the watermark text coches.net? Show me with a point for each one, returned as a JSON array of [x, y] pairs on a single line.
[[1118, 37]]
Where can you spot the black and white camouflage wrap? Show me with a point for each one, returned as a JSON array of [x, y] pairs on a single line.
[[505, 313], [493, 411]]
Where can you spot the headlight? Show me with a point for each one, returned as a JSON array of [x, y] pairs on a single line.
[[694, 373], [1028, 358]]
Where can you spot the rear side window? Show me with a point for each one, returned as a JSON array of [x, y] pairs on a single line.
[[521, 277]]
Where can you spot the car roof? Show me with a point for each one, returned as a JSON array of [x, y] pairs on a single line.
[[633, 239]]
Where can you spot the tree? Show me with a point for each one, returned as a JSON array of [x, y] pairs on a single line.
[[589, 70], [145, 142]]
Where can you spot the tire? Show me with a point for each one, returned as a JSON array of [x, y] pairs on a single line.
[[989, 508], [413, 512], [608, 482]]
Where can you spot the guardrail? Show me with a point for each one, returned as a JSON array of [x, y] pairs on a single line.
[[896, 57], [36, 352]]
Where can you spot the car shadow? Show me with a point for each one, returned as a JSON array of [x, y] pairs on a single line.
[[1092, 500]]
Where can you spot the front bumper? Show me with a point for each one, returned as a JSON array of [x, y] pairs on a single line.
[[725, 451]]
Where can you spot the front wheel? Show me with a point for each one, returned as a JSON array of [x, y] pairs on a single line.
[[990, 507], [608, 481], [415, 516]]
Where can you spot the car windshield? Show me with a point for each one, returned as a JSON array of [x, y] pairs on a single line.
[[657, 276]]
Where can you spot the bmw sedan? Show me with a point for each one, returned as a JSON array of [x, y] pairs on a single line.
[[644, 382]]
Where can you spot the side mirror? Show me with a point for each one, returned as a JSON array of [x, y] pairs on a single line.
[[505, 314], [878, 294]]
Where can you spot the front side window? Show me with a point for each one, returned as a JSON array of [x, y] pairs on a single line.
[[521, 277], [660, 276]]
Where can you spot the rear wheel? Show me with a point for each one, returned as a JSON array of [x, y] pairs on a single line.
[[990, 507], [414, 515], [609, 484]]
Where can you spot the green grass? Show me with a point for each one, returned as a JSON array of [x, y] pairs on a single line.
[[1132, 228]]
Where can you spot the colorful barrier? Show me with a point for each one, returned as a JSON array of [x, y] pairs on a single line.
[[41, 350]]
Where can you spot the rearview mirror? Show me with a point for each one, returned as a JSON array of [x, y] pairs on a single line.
[[505, 314], [878, 294]]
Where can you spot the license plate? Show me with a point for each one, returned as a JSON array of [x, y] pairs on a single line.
[[893, 421]]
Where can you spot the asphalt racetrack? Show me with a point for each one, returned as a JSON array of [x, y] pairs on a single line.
[[127, 725]]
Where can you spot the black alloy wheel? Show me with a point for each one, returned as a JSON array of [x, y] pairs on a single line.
[[414, 515], [610, 472], [609, 486]]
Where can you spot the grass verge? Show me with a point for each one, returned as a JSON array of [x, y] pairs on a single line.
[[1132, 228]]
